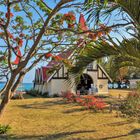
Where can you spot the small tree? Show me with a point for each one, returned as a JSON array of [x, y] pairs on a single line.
[[29, 32]]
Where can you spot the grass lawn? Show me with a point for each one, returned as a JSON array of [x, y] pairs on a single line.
[[116, 92], [53, 119]]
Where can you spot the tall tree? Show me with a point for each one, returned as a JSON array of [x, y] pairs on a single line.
[[29, 32]]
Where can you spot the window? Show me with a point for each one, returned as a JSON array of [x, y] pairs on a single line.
[[90, 66]]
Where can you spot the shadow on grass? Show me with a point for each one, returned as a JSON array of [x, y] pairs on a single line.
[[74, 110], [82, 108], [119, 123], [49, 137], [44, 105], [134, 132], [63, 135], [58, 136]]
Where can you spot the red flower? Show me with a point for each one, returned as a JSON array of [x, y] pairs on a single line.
[[70, 17], [17, 60], [22, 35], [78, 100], [70, 97], [58, 58], [102, 26], [16, 48], [99, 34], [20, 42], [10, 35], [93, 36], [47, 55], [71, 25], [9, 15], [31, 37]]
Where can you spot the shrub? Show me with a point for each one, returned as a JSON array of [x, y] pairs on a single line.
[[45, 95], [4, 129], [138, 86], [70, 97], [131, 107], [55, 95], [93, 103], [32, 92], [90, 102]]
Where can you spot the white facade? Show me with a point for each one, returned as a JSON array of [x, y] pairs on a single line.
[[58, 82]]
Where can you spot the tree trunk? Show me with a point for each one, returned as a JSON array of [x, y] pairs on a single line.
[[4, 88], [7, 94], [16, 84], [4, 102], [9, 90]]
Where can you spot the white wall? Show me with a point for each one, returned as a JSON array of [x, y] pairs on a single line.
[[133, 83], [40, 88], [46, 88], [59, 85], [36, 87], [102, 85], [93, 75]]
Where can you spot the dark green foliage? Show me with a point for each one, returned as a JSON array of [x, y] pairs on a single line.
[[4, 129], [45, 95], [131, 107], [56, 95], [138, 86], [43, 7], [33, 92], [36, 93]]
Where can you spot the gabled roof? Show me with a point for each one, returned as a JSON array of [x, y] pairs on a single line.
[[42, 72], [82, 23], [105, 73], [63, 55]]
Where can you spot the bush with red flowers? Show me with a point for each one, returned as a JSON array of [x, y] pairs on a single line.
[[89, 101], [70, 97]]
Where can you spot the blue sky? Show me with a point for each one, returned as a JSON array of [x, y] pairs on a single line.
[[29, 77], [114, 19]]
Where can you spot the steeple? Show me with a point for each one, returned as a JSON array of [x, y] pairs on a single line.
[[82, 23]]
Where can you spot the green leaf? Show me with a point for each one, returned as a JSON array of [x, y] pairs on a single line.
[[17, 8]]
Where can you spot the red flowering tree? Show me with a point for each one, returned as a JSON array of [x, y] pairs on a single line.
[[28, 35], [30, 32]]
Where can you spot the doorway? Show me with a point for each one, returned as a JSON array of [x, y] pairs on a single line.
[[84, 83]]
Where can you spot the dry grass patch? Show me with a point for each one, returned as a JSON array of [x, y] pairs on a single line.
[[117, 92], [53, 119]]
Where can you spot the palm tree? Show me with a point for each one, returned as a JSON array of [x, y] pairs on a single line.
[[126, 52]]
